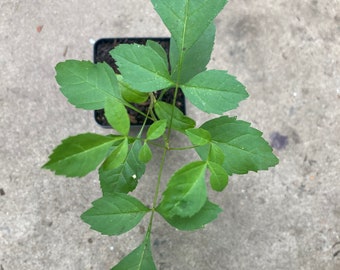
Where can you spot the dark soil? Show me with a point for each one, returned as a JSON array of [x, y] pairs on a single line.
[[101, 54]]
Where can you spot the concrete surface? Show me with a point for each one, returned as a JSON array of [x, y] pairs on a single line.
[[286, 52]]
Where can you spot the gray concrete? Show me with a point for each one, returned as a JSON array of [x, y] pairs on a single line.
[[286, 52]]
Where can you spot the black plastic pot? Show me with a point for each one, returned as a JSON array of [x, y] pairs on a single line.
[[101, 54]]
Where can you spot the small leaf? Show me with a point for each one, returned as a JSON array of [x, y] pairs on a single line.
[[116, 114], [79, 155], [208, 213], [215, 154], [180, 122], [157, 48], [186, 192], [198, 136], [115, 214], [139, 259], [145, 154], [124, 178], [117, 156], [142, 67], [214, 91], [156, 130], [243, 147], [218, 176], [131, 95], [87, 85]]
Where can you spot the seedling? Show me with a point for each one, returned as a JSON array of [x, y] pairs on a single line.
[[225, 145]]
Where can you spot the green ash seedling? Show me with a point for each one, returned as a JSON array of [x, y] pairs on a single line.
[[225, 145]]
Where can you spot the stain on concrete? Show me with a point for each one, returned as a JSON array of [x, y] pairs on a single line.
[[278, 141]]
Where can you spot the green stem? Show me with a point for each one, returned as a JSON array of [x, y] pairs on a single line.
[[166, 140], [155, 198], [173, 148]]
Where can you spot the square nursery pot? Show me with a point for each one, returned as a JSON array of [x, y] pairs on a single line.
[[102, 47]]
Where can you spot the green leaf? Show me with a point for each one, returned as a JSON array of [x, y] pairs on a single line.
[[243, 147], [218, 176], [180, 122], [156, 130], [129, 94], [115, 214], [117, 116], [145, 154], [87, 85], [139, 259], [186, 192], [157, 48], [142, 67], [124, 178], [194, 60], [117, 156], [215, 154], [208, 213], [214, 91], [198, 136], [79, 155], [187, 19]]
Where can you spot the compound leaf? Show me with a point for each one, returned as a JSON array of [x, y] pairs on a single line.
[[243, 147], [214, 91], [79, 155], [208, 213], [115, 214], [124, 178], [156, 130], [139, 259], [186, 192], [117, 116], [117, 156], [142, 67], [180, 122], [87, 85]]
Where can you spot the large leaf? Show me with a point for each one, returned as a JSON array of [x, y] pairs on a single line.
[[208, 213], [187, 19], [79, 155], [186, 192], [142, 67], [180, 122], [214, 91], [243, 147], [87, 85], [139, 259], [117, 115], [115, 214], [124, 178], [188, 63]]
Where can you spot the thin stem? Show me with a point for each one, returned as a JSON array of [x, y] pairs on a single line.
[[173, 148], [155, 198]]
